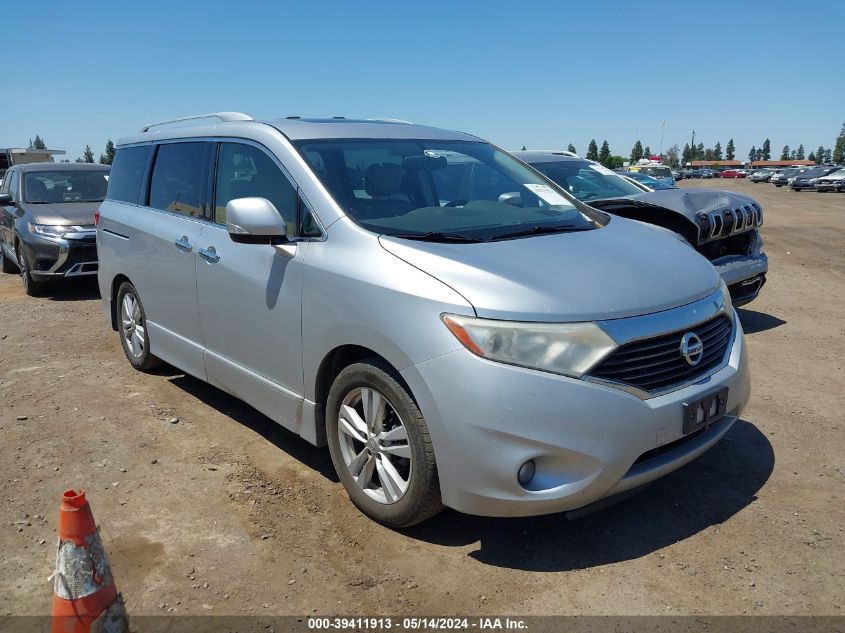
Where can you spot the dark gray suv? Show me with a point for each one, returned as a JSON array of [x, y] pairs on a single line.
[[721, 225], [47, 221]]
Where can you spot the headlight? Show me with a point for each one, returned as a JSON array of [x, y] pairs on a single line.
[[726, 295], [812, 181], [571, 349], [54, 230]]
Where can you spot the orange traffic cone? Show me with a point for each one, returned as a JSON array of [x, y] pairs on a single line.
[[85, 598]]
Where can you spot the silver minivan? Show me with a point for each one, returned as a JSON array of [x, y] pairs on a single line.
[[459, 330]]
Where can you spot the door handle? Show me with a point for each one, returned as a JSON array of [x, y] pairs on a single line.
[[209, 254], [183, 244]]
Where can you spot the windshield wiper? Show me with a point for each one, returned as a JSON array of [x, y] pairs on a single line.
[[540, 229], [437, 236]]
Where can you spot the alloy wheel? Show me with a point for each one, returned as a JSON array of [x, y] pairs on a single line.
[[25, 278], [374, 445], [132, 325]]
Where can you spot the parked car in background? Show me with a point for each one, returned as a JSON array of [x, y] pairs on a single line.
[[655, 170], [808, 179], [834, 181], [780, 178], [47, 221], [652, 183], [723, 226], [707, 173], [658, 171], [226, 250], [677, 175], [761, 175], [732, 173]]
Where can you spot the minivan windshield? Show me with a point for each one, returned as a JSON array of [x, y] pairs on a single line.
[[459, 191], [45, 187], [587, 180]]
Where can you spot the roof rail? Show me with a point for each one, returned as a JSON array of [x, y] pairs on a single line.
[[222, 116], [388, 120]]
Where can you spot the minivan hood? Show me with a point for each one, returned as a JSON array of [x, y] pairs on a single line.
[[625, 269], [76, 213]]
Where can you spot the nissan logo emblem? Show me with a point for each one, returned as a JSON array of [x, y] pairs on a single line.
[[692, 349]]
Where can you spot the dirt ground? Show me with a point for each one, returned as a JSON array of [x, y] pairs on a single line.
[[207, 507]]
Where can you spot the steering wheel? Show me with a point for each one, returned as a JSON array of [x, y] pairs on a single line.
[[456, 203]]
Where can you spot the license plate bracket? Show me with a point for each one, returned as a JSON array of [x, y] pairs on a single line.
[[702, 412]]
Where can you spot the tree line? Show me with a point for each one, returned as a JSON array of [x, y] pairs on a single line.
[[835, 154], [676, 157]]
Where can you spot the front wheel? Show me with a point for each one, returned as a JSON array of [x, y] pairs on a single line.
[[380, 445], [132, 325], [30, 286]]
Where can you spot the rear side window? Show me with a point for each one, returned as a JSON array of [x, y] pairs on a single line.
[[176, 184], [127, 173]]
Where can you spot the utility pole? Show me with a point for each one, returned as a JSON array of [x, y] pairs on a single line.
[[662, 131], [692, 143]]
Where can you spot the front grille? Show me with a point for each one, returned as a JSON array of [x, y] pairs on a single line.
[[656, 364], [716, 224], [739, 244]]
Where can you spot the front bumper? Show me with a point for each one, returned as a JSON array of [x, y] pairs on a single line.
[[744, 275], [55, 258], [836, 185], [588, 441]]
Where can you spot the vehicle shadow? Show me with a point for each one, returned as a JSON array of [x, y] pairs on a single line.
[[704, 493], [311, 456], [753, 321], [81, 289]]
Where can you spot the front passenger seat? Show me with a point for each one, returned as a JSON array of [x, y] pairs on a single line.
[[383, 182]]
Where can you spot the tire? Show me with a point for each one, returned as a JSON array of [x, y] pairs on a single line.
[[132, 328], [377, 447], [6, 264], [31, 286]]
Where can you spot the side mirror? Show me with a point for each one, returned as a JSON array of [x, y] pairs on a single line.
[[513, 198], [5, 199], [255, 221]]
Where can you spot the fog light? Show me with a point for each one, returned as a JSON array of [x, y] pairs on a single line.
[[526, 472]]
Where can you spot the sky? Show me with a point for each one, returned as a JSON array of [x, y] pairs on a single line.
[[518, 73]]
